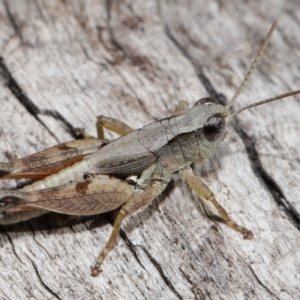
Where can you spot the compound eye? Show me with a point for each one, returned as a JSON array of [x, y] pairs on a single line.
[[207, 101], [214, 127]]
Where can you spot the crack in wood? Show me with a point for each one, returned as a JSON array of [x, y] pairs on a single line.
[[131, 247], [159, 268], [13, 247], [268, 181], [13, 21], [11, 83], [262, 285], [41, 280], [134, 59], [212, 92]]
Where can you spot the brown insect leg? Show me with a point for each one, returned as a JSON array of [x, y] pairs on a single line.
[[121, 128], [203, 191], [133, 205], [111, 124]]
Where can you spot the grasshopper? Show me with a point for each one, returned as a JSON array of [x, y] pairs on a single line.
[[91, 176]]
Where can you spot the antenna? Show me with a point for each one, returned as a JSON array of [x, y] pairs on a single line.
[[265, 101], [253, 65]]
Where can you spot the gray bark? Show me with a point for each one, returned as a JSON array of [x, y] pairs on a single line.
[[65, 62]]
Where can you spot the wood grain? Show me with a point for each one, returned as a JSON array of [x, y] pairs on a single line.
[[62, 63]]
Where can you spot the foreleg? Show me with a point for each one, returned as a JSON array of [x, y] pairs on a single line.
[[204, 192]]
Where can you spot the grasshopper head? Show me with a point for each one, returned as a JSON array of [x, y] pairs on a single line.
[[213, 125], [209, 123]]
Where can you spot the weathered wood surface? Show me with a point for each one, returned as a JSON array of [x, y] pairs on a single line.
[[134, 60]]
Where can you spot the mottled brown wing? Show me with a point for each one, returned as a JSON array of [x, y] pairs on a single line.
[[51, 160], [88, 197]]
